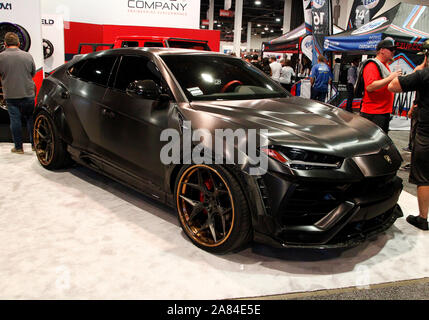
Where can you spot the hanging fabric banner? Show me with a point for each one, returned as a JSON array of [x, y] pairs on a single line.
[[363, 11], [307, 15], [322, 25]]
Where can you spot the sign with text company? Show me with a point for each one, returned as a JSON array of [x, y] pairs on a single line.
[[151, 13]]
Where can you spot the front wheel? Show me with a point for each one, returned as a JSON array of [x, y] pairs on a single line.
[[50, 149], [212, 208]]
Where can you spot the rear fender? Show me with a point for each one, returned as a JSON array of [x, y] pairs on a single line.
[[59, 119]]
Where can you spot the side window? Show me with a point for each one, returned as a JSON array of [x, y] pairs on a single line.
[[97, 70], [74, 69], [153, 44], [135, 68], [129, 44]]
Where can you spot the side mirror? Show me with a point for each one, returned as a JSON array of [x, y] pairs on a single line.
[[146, 89]]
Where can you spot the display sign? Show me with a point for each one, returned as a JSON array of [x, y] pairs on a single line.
[[226, 13], [367, 42], [363, 11], [307, 46], [53, 41], [322, 25], [205, 22], [26, 16], [154, 13]]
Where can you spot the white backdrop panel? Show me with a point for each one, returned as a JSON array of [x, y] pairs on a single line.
[[27, 14], [154, 13]]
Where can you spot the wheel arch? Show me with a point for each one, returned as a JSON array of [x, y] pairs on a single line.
[[59, 119], [247, 184]]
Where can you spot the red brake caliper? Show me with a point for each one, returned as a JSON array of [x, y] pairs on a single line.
[[209, 186]]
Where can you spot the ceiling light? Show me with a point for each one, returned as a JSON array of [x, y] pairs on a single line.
[[258, 3], [263, 32], [219, 25], [272, 30], [278, 19], [266, 28]]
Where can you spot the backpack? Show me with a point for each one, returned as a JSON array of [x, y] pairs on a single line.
[[359, 89]]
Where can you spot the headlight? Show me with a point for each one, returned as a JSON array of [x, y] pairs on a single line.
[[302, 159]]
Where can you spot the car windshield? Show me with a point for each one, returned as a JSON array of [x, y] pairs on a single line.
[[213, 77]]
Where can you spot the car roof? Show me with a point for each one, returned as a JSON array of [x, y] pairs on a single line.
[[158, 38], [158, 51]]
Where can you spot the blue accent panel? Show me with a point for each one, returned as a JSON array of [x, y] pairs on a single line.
[[367, 42]]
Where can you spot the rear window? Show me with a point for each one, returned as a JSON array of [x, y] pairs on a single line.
[[74, 69], [96, 70], [129, 44], [196, 45], [152, 44]]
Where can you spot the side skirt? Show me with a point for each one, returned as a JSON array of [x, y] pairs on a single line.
[[118, 174]]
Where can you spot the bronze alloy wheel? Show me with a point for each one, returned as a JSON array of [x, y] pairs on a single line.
[[44, 139], [205, 206]]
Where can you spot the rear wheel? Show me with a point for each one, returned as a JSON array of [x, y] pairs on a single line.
[[212, 208], [50, 149]]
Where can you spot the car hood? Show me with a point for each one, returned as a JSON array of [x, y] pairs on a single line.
[[296, 122]]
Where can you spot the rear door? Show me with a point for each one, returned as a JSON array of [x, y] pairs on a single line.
[[88, 84], [132, 126]]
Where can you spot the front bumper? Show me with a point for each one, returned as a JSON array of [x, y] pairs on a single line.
[[332, 215]]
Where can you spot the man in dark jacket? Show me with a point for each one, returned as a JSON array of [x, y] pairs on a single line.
[[17, 70], [419, 172]]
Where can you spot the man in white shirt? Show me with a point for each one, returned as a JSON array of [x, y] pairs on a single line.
[[286, 74], [276, 68]]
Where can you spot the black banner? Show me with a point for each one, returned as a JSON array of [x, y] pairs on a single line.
[[363, 11], [322, 25]]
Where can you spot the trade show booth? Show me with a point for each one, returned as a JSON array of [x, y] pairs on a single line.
[[298, 42], [408, 25]]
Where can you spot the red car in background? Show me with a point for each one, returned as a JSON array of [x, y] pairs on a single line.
[[147, 41]]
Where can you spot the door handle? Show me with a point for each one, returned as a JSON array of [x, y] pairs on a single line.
[[107, 113]]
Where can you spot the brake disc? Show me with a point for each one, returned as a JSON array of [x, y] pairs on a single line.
[[23, 35], [48, 48]]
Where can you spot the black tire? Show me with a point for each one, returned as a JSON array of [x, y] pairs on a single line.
[[27, 44], [203, 196], [48, 49], [51, 151]]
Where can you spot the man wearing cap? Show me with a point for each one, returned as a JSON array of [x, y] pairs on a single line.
[[419, 172], [377, 101], [17, 70]]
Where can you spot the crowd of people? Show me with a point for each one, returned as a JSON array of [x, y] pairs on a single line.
[[285, 71]]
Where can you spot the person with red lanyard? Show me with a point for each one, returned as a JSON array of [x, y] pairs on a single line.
[[377, 102]]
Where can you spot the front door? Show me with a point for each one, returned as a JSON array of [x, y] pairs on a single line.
[[131, 125]]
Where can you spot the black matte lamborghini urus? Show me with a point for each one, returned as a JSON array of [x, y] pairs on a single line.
[[330, 179]]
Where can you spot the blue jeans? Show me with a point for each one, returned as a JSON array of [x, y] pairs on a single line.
[[318, 95], [18, 108]]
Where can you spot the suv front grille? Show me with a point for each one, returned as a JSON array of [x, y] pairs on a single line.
[[306, 203]]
